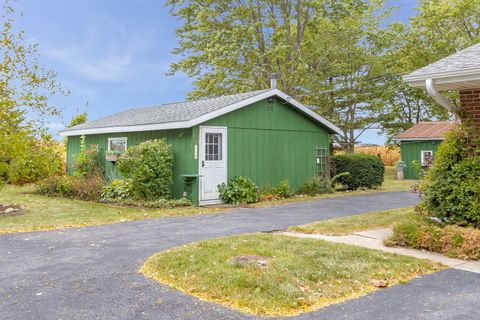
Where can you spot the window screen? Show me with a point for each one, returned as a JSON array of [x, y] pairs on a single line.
[[426, 158], [117, 144], [213, 146]]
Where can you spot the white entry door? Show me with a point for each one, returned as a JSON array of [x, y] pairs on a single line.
[[212, 161]]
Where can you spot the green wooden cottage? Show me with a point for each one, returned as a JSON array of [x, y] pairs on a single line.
[[265, 135], [420, 143]]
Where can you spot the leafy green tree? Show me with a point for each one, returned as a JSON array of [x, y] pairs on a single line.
[[346, 66], [78, 119], [26, 86], [443, 27], [232, 46]]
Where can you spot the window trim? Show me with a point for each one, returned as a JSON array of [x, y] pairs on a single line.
[[117, 138], [422, 152]]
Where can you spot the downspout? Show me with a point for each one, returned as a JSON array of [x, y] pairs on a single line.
[[438, 97]]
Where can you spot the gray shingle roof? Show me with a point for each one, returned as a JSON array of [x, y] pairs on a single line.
[[166, 113], [468, 58]]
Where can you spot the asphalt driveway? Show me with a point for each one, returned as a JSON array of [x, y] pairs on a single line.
[[91, 273]]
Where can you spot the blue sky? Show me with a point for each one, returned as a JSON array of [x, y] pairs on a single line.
[[115, 54]]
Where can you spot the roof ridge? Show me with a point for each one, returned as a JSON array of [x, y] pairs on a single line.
[[197, 100]]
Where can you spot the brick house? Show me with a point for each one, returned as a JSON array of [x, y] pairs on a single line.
[[460, 72]]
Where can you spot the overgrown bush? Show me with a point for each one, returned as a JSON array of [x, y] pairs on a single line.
[[283, 189], [44, 157], [239, 190], [280, 191], [453, 241], [365, 171], [87, 162], [452, 186], [149, 167], [116, 190], [314, 186], [88, 188]]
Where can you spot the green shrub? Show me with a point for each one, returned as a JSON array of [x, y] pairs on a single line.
[[86, 163], [452, 186], [50, 186], [149, 167], [116, 190], [283, 189], [314, 186], [404, 235], [239, 190], [366, 171]]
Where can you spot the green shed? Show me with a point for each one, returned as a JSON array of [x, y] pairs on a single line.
[[420, 143], [265, 135]]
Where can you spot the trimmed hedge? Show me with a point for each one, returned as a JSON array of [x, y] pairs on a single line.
[[365, 171]]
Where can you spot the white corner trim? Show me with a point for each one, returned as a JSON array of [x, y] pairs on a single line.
[[438, 97], [117, 138], [208, 116]]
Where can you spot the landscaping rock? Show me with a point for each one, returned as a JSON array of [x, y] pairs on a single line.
[[379, 283], [11, 209], [244, 260]]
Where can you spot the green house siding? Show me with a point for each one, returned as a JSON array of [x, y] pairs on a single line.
[[269, 142], [266, 141], [411, 150], [182, 141]]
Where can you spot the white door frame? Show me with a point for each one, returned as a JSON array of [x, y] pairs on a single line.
[[201, 156]]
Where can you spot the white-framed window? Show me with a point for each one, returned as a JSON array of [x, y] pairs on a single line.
[[213, 146], [426, 158], [117, 144]]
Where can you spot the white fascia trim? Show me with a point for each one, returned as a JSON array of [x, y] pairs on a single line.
[[143, 127], [449, 77], [209, 116], [418, 139]]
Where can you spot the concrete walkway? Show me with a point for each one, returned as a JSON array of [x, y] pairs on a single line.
[[373, 239]]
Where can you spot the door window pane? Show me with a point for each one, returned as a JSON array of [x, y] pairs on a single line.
[[213, 146]]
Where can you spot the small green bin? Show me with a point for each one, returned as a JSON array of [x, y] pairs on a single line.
[[190, 186]]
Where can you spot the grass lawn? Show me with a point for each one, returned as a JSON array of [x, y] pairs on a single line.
[[49, 213], [302, 274], [361, 222]]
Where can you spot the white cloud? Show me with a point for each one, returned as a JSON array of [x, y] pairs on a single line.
[[106, 51]]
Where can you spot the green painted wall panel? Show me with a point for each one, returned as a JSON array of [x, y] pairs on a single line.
[[183, 147], [269, 142], [411, 150]]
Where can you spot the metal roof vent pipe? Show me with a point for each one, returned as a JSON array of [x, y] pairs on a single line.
[[273, 81]]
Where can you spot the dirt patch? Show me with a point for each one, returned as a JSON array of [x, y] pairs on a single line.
[[11, 209]]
